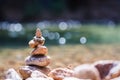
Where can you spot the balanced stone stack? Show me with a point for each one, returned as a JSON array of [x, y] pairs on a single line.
[[38, 59]]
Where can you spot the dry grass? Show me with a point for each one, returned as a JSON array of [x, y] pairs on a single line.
[[61, 56]]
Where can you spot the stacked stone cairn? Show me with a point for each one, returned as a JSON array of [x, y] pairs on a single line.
[[38, 59]]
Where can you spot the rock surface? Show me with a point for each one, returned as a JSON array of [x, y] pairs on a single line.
[[12, 74]]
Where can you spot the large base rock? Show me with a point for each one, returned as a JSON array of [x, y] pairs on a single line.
[[26, 71]]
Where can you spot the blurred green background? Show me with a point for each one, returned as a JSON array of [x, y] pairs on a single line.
[[60, 33], [61, 21]]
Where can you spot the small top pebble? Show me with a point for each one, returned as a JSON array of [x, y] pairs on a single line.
[[38, 33]]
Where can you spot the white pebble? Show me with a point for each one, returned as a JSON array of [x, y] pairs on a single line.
[[11, 74]]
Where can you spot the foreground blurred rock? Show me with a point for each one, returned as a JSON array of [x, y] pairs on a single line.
[[73, 78], [39, 79], [86, 71], [108, 69], [11, 74]]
